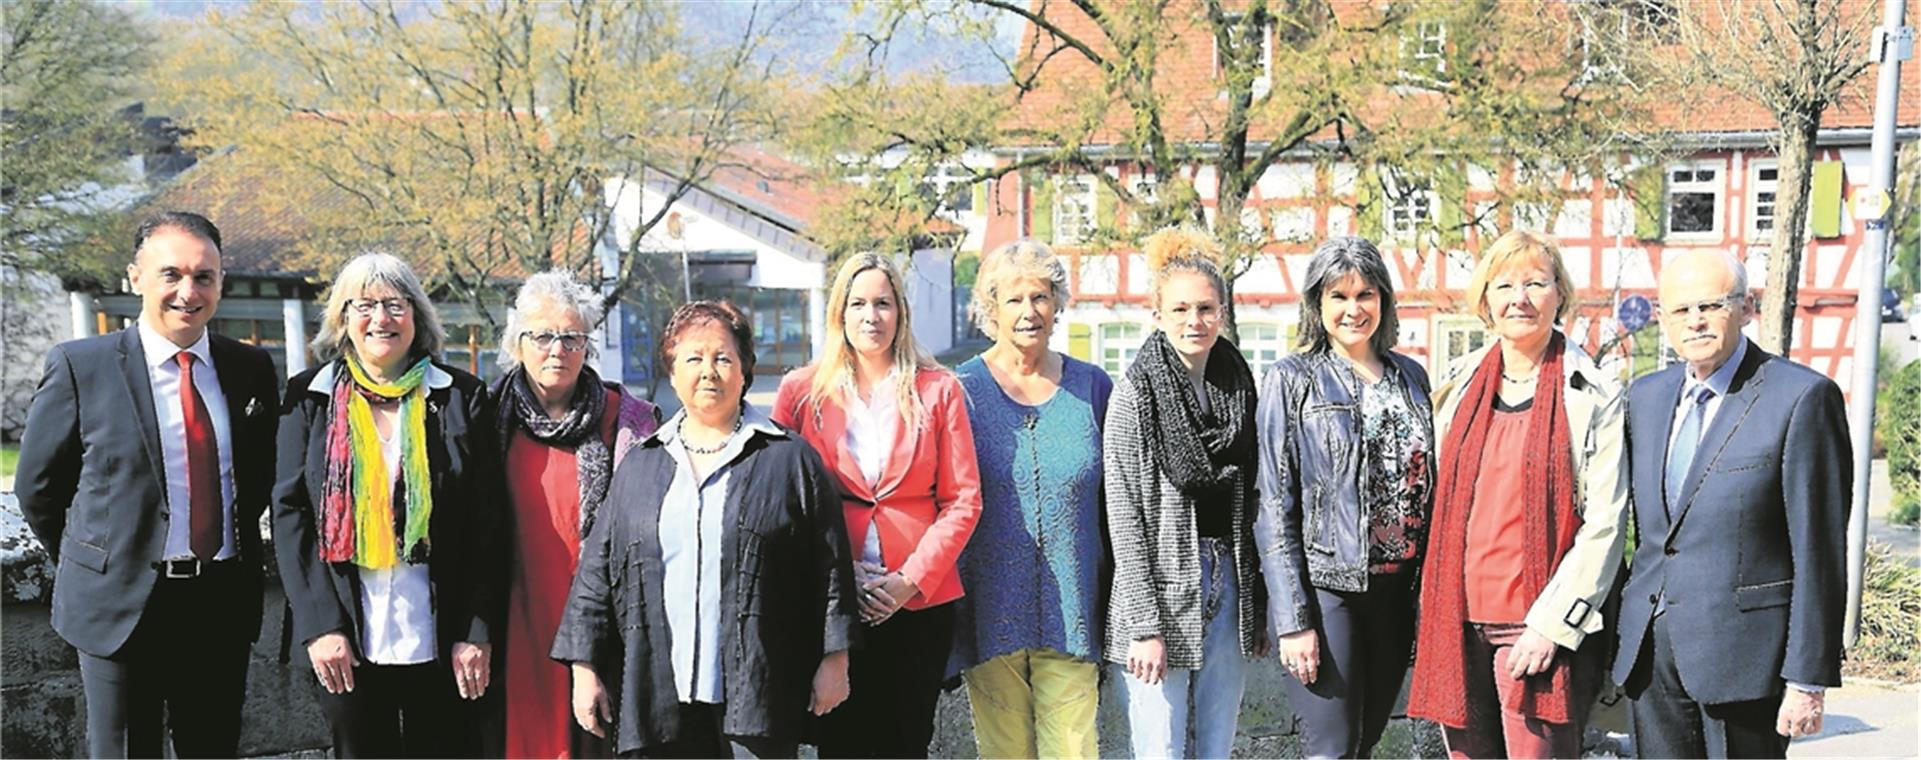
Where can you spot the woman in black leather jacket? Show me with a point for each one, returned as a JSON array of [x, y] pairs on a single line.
[[1346, 482]]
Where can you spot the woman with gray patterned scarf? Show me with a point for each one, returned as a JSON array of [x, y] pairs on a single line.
[[1179, 457], [562, 431]]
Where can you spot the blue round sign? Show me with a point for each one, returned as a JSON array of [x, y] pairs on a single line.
[[1634, 312]]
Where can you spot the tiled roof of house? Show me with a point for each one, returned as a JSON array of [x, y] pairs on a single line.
[[268, 226], [1187, 80]]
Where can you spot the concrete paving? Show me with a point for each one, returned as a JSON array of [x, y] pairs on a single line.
[[1867, 720]]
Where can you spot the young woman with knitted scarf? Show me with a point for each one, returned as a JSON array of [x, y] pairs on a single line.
[[1526, 538], [1178, 457], [387, 522]]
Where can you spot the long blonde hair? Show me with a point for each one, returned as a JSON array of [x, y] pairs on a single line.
[[837, 361]]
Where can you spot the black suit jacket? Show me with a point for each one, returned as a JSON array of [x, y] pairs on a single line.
[[1753, 561], [468, 560], [92, 481]]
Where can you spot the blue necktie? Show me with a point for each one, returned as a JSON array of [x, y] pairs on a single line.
[[1681, 456]]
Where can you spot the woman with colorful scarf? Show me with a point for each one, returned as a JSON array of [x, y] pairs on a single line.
[[562, 433], [387, 522], [1526, 539], [1178, 456]]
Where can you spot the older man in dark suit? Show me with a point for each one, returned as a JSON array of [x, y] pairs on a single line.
[[1731, 621], [146, 462]]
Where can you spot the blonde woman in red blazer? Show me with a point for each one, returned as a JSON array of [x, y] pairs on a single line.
[[893, 426]]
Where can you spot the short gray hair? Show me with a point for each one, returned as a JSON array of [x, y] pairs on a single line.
[[554, 290], [376, 270], [1011, 262]]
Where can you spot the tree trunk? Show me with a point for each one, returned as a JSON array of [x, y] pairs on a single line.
[[1788, 242]]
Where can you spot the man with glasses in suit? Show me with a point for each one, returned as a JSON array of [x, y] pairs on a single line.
[[1741, 476]]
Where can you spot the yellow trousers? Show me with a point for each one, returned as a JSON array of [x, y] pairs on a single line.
[[1035, 703]]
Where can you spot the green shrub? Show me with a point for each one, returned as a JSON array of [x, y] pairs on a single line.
[[1899, 422], [1906, 512], [1889, 645]]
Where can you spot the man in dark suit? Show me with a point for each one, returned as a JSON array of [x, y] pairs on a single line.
[[1731, 621], [146, 462]]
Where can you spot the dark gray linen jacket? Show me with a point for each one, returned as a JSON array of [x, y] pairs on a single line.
[[1312, 523], [787, 592]]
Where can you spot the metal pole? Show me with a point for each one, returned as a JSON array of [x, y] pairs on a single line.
[[1894, 43]]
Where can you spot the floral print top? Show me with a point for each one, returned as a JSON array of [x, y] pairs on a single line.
[[1396, 458]]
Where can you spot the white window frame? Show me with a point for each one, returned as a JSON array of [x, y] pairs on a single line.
[[1757, 235], [1403, 214], [1145, 188], [942, 179], [1125, 342], [1260, 349], [1424, 51], [1067, 229], [1446, 326], [1684, 178], [1264, 82]]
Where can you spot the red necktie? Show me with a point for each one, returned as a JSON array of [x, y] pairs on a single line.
[[203, 466]]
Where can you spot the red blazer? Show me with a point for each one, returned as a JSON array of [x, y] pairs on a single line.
[[929, 495]]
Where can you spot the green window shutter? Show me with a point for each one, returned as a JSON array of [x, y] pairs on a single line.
[[1650, 188], [980, 198], [1105, 203], [1824, 200], [1080, 341], [1040, 215], [1367, 206]]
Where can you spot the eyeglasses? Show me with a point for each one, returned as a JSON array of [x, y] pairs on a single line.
[[395, 307], [1506, 289], [1714, 308], [569, 341]]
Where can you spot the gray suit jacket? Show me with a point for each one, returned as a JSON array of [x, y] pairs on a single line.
[[1752, 562], [91, 481]]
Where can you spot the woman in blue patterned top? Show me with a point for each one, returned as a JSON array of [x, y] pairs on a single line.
[[1029, 634]]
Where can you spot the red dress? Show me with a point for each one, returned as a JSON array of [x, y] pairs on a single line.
[[545, 487]]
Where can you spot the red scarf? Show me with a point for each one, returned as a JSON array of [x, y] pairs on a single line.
[[1440, 664]]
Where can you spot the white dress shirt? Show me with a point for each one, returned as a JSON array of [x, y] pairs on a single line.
[[871, 428], [163, 377]]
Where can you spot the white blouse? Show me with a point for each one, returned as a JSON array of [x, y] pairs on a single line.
[[398, 625], [871, 428]]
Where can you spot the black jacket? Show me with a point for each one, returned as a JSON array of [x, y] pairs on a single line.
[[1313, 522], [92, 486], [468, 561], [787, 591]]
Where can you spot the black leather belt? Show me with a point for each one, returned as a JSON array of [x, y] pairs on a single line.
[[188, 568]]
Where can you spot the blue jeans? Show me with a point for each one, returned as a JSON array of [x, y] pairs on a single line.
[[1158, 714]]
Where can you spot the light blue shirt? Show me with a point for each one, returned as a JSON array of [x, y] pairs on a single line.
[[691, 516], [1717, 382]]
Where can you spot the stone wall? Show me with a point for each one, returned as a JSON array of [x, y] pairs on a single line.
[[44, 711]]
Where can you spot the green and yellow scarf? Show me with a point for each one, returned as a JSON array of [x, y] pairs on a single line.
[[358, 520]]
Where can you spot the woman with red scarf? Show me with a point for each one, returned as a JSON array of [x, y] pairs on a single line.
[[1526, 538]]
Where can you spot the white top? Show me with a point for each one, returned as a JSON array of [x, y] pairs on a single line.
[[691, 519], [398, 625], [871, 428], [163, 376]]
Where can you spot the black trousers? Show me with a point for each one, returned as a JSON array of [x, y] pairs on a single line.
[[1365, 638], [701, 737], [402, 711], [1669, 723], [180, 673], [895, 677]]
